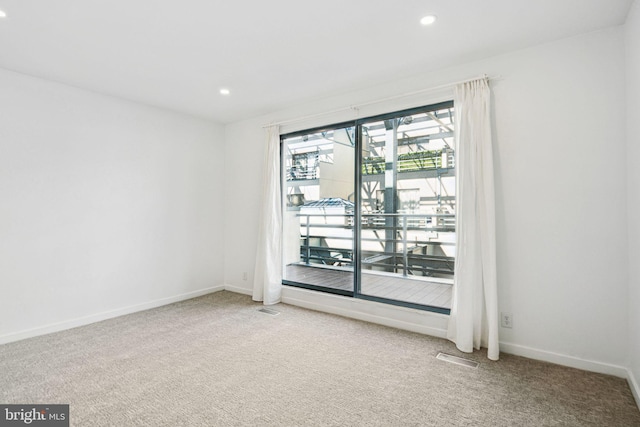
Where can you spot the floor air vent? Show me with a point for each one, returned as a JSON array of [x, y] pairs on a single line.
[[269, 311], [457, 360]]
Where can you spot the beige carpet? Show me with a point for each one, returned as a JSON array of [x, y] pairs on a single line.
[[218, 361]]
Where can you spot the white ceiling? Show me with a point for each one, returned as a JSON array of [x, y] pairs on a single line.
[[270, 54]]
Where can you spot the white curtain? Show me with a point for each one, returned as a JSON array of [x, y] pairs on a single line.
[[267, 282], [473, 322]]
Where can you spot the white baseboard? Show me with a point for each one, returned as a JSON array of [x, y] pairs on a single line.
[[238, 290], [634, 385], [564, 360], [409, 319], [81, 321]]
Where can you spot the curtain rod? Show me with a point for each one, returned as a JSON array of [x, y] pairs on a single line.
[[377, 101]]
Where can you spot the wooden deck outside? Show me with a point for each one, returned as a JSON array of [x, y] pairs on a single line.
[[414, 290]]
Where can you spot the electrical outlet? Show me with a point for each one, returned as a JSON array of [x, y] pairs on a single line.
[[507, 320], [244, 276]]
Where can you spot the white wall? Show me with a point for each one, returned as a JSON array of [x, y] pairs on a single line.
[[106, 206], [561, 176], [561, 194], [243, 159], [633, 168]]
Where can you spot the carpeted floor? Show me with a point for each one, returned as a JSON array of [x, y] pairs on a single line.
[[218, 361]]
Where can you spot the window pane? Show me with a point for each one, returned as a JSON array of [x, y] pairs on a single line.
[[408, 208], [318, 218]]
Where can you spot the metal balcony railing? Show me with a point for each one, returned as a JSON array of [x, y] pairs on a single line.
[[297, 173], [407, 244]]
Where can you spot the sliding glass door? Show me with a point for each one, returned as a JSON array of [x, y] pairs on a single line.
[[370, 208], [319, 187], [407, 204]]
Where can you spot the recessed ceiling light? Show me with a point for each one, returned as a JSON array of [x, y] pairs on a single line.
[[225, 91], [428, 20], [2, 14]]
